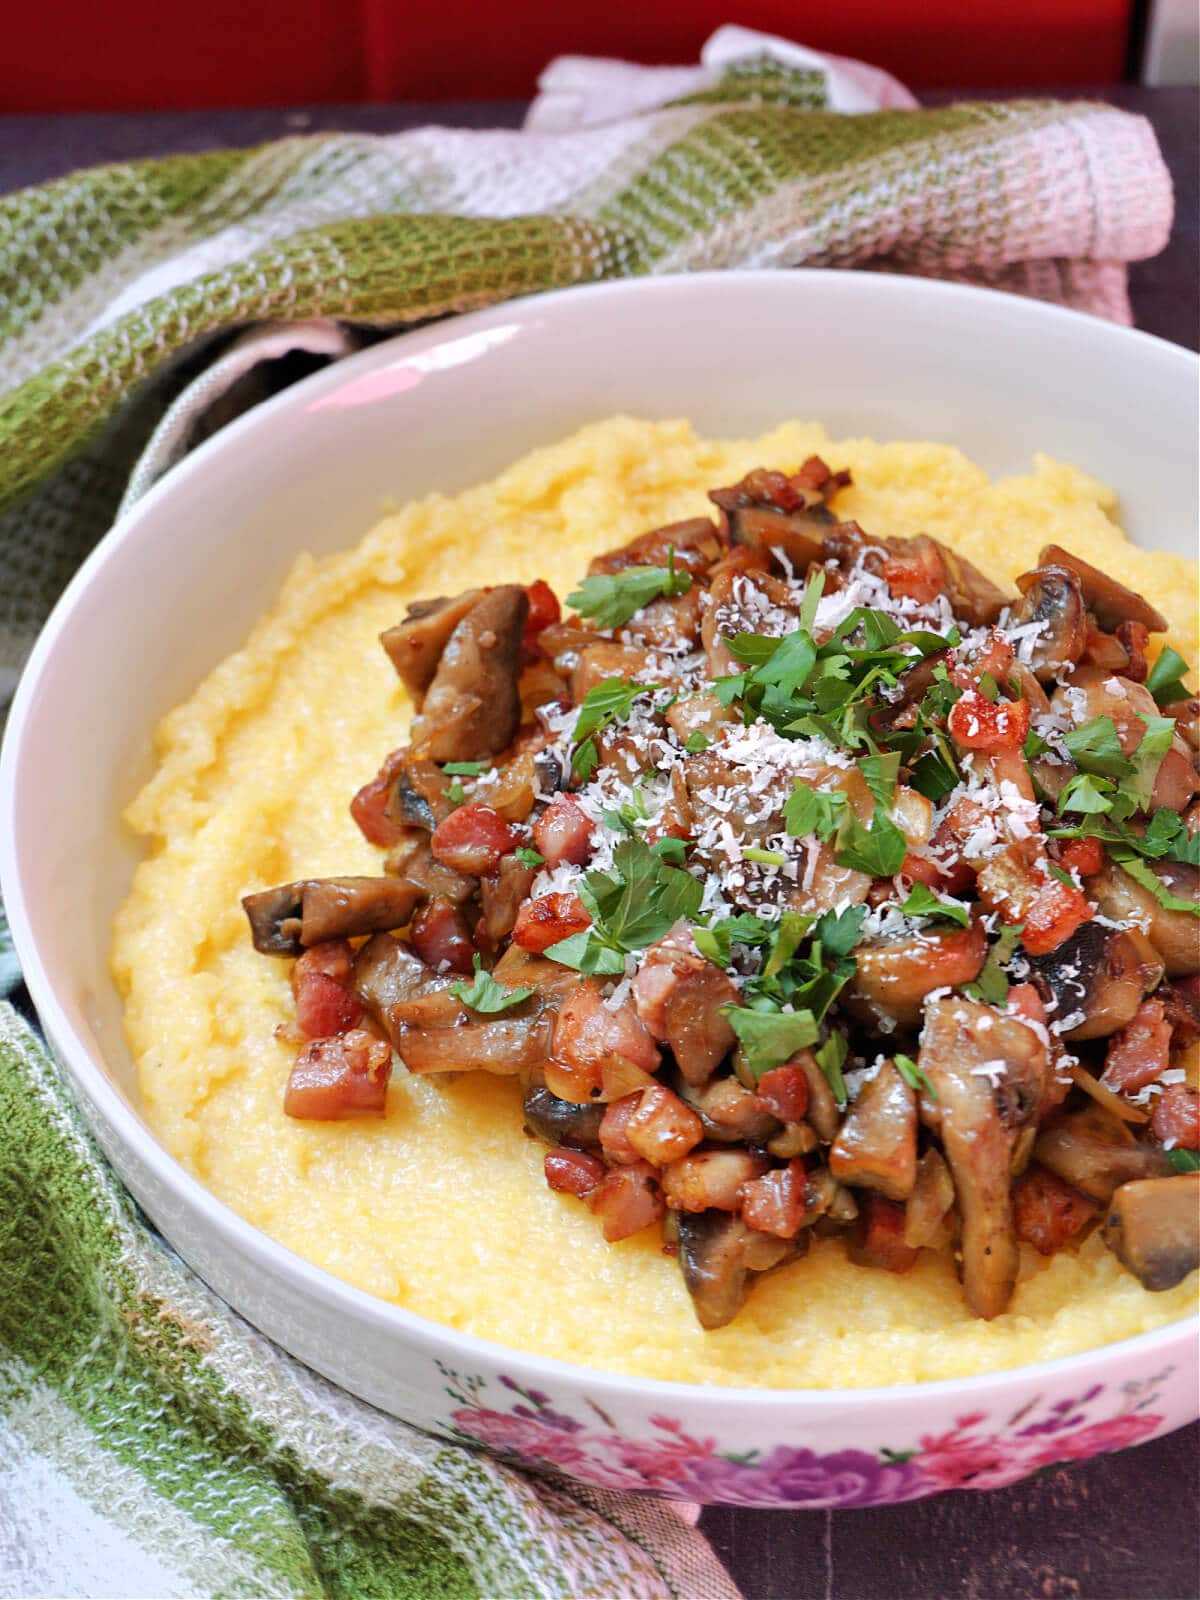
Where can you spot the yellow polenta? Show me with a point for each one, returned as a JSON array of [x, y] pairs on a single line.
[[442, 1206]]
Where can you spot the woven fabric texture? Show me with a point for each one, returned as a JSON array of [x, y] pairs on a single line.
[[150, 1443]]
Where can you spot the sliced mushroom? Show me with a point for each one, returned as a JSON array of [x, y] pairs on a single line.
[[696, 544], [743, 602], [415, 646], [895, 975], [1098, 978], [972, 596], [285, 920], [682, 998], [436, 1033], [671, 624], [730, 1112], [1096, 1153], [876, 1146], [987, 1070], [417, 797], [503, 895], [606, 659], [1153, 1228], [387, 971], [472, 707], [1051, 596], [718, 1254], [822, 1111], [930, 1201], [1175, 935], [1187, 720], [414, 863], [1111, 602], [561, 1122], [796, 535]]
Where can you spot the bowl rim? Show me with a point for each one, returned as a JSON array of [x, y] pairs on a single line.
[[246, 1239]]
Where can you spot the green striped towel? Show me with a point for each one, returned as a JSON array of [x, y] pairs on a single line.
[[150, 1443]]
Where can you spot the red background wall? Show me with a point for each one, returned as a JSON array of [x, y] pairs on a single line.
[[145, 54]]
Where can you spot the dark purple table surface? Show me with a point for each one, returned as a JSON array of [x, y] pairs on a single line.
[[1121, 1527]]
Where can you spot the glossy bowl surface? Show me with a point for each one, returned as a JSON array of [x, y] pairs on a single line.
[[176, 586]]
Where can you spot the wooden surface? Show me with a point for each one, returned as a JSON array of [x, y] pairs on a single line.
[[1122, 1527]]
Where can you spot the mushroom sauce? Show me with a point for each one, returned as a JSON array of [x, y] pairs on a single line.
[[820, 896]]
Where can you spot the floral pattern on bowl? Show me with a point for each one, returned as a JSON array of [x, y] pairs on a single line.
[[978, 1452]]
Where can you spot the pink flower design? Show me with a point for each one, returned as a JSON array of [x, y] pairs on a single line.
[[523, 1436], [1114, 1433]]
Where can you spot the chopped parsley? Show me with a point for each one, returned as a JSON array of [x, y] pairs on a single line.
[[913, 1076], [1165, 679], [606, 703], [696, 742], [466, 769], [634, 903], [879, 850], [529, 857], [769, 1036], [455, 792], [813, 811], [992, 985], [484, 994], [1095, 748], [611, 599], [1184, 1160], [922, 902], [831, 1058]]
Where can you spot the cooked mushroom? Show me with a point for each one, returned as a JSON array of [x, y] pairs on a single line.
[[1187, 719], [743, 602], [930, 1201], [1153, 1228], [1051, 596], [681, 998], [695, 542], [387, 971], [1096, 1153], [1098, 978], [797, 535], [415, 646], [1110, 602], [717, 1254], [730, 1112], [973, 596], [436, 1033], [671, 624], [503, 895], [987, 1071], [876, 1146], [562, 1121], [1175, 935], [417, 797], [414, 863], [285, 920], [471, 708], [895, 975]]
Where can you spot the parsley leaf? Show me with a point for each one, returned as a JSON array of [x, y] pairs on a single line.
[[913, 1076], [588, 953], [635, 902], [992, 984], [1064, 878], [1144, 874], [466, 769], [1087, 795], [837, 932], [528, 857], [455, 792], [1165, 680], [696, 742], [769, 1036], [1096, 748], [714, 943], [813, 811], [831, 1058], [879, 851], [608, 702], [610, 599], [881, 774], [922, 902], [484, 994], [1147, 758], [1184, 1160]]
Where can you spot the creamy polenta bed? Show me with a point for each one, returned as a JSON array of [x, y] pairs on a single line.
[[740, 927]]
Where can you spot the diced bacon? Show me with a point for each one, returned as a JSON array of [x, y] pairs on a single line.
[[976, 724], [367, 807], [591, 1037], [919, 575], [1084, 856], [1140, 1052], [1051, 915], [627, 1199], [1181, 1003], [877, 1239], [776, 1202], [573, 1171], [661, 1128], [338, 1078], [563, 832], [441, 938], [1047, 1212], [472, 839], [544, 611], [323, 986], [711, 1180], [614, 1130], [1176, 1119], [1025, 1002], [549, 919], [784, 1093]]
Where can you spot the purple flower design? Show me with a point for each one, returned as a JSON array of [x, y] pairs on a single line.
[[791, 1476]]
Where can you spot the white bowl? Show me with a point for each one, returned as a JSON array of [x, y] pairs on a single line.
[[176, 586]]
